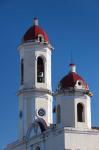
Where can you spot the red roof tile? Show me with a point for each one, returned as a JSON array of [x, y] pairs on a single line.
[[33, 33], [70, 80]]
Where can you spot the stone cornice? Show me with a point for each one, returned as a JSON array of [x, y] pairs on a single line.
[[24, 90]]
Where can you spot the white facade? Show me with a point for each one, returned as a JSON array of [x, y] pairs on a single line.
[[30, 52], [68, 104], [60, 139], [73, 129], [32, 94]]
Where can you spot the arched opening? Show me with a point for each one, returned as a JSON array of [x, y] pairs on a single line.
[[36, 128], [22, 71], [40, 38], [31, 147], [58, 112], [42, 124], [20, 114], [40, 70], [37, 148], [80, 113]]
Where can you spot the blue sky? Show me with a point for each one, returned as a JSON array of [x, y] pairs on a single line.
[[72, 25]]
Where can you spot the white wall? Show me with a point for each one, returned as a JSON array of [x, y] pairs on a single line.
[[60, 139], [29, 52], [68, 103], [76, 139], [33, 95]]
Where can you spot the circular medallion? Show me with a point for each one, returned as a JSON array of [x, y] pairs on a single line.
[[41, 112]]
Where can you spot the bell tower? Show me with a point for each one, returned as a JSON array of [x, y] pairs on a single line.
[[73, 101], [35, 92]]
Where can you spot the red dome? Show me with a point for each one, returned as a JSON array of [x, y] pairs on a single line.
[[34, 31], [73, 80]]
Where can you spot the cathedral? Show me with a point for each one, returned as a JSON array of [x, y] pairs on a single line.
[[72, 129]]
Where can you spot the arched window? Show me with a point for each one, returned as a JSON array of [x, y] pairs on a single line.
[[37, 148], [58, 113], [31, 147], [22, 71], [40, 38], [80, 113], [40, 70]]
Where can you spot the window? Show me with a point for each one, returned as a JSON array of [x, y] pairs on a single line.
[[22, 71], [20, 114], [58, 114], [40, 70], [37, 148], [80, 112], [40, 38], [31, 147]]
